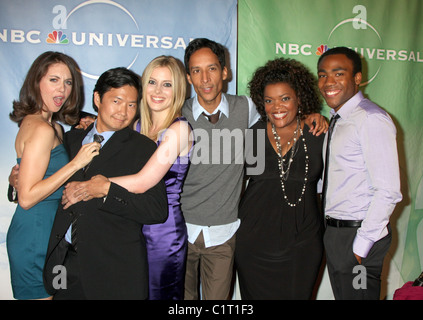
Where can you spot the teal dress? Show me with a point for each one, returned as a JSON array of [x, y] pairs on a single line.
[[28, 236]]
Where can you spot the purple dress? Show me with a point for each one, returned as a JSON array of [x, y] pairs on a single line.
[[167, 242]]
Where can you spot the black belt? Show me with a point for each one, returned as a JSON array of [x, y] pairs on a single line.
[[343, 223]]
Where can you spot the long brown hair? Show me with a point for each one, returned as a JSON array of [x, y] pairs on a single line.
[[30, 101]]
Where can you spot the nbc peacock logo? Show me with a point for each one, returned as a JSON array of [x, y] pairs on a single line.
[[57, 37], [321, 49]]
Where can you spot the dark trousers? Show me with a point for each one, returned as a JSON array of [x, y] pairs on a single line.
[[349, 279], [73, 290]]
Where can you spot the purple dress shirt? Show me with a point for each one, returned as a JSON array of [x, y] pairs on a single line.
[[363, 176]]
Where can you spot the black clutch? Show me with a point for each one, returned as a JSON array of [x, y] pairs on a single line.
[[12, 195]]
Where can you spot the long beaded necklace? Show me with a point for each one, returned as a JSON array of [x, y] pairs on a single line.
[[284, 166]]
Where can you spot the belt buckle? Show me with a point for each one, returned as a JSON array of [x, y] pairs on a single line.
[[333, 222]]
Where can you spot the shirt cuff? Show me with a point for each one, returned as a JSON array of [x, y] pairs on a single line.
[[361, 246]]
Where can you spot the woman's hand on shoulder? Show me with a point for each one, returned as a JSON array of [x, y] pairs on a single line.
[[317, 123]]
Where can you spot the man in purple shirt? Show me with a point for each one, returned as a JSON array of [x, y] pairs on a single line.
[[362, 185]]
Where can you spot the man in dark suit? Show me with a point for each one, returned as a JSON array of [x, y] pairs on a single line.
[[99, 242]]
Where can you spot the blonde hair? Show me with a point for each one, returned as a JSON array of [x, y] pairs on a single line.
[[179, 93]]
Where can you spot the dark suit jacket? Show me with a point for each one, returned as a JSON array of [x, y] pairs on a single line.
[[111, 246]]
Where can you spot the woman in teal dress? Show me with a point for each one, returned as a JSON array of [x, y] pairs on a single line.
[[50, 93]]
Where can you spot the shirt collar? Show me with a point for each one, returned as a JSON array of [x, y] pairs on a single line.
[[89, 137], [197, 109], [349, 106]]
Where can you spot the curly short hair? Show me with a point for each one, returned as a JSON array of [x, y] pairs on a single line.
[[289, 71], [349, 53]]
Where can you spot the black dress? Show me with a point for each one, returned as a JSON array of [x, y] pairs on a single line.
[[278, 247]]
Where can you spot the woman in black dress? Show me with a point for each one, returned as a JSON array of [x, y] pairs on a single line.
[[279, 243]]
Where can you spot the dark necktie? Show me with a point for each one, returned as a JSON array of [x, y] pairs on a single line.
[[97, 138], [213, 118], [325, 176]]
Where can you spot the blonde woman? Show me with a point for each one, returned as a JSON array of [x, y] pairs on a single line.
[[164, 91]]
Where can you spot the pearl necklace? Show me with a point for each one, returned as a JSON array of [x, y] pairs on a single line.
[[284, 173]]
